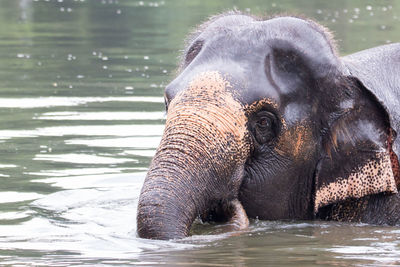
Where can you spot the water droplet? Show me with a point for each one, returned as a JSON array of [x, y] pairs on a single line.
[[62, 9], [368, 7], [146, 57], [55, 84], [118, 11], [105, 67], [104, 58], [129, 87], [164, 71], [80, 76], [319, 11], [71, 57]]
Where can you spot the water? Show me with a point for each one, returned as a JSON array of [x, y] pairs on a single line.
[[81, 113]]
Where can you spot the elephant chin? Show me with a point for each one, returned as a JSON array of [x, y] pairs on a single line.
[[199, 162]]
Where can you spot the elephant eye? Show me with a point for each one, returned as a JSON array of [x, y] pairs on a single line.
[[193, 51], [264, 123], [264, 126]]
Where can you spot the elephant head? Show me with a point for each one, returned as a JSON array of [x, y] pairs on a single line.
[[263, 119]]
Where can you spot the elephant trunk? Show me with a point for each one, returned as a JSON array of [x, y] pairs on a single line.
[[199, 161]]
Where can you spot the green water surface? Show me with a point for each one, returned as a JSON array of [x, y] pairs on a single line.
[[81, 114]]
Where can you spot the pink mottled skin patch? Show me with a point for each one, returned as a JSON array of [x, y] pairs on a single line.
[[374, 177]]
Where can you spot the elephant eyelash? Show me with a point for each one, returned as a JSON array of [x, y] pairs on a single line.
[[166, 104], [193, 51]]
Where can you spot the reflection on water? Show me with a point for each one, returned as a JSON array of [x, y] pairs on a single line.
[[85, 130], [81, 110], [109, 116], [46, 102]]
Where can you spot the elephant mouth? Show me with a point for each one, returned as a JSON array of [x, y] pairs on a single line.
[[230, 212]]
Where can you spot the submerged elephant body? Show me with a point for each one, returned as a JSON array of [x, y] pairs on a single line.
[[265, 119]]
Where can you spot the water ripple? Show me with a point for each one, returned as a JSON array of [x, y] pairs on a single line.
[[41, 102]]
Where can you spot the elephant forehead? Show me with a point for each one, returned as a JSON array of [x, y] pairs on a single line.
[[208, 104]]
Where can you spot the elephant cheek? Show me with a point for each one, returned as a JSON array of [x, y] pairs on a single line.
[[296, 143]]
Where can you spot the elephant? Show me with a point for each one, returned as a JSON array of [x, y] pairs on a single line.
[[265, 120]]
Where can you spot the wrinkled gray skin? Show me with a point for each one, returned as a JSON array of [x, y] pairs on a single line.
[[266, 120]]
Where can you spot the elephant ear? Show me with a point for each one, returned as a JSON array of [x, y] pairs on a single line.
[[359, 158], [377, 69], [368, 164]]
